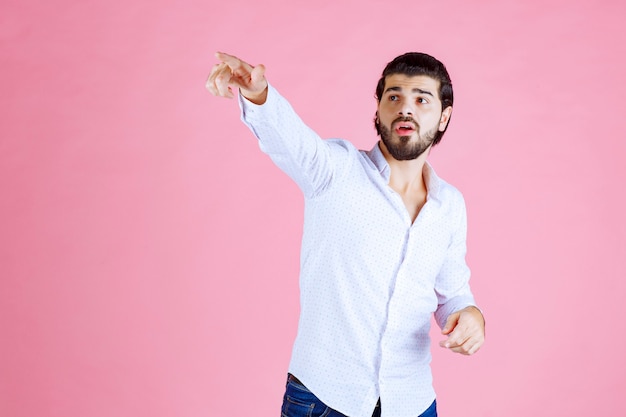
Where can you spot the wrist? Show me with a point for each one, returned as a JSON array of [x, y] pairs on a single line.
[[257, 98]]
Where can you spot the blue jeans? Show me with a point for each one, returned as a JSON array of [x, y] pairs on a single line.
[[300, 402]]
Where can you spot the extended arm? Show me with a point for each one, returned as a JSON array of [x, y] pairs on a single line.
[[295, 148]]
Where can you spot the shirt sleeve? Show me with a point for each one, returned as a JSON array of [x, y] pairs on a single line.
[[291, 144], [452, 283]]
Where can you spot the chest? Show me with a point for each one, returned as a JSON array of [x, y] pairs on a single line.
[[372, 219], [413, 202]]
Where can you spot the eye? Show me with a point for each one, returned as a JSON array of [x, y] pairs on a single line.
[[393, 98], [422, 100]]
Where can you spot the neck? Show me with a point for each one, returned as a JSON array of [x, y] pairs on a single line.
[[406, 175]]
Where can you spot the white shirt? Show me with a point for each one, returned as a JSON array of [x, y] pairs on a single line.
[[370, 279]]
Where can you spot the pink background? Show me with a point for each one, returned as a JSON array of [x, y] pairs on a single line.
[[149, 251]]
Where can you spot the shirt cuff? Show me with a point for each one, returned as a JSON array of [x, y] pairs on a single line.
[[452, 306], [251, 111]]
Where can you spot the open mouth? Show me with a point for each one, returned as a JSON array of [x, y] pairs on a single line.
[[404, 128]]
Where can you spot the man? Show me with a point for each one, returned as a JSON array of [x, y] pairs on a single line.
[[383, 245]]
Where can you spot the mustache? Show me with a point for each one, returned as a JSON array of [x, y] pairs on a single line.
[[405, 119]]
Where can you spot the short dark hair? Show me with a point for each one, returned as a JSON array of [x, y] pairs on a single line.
[[414, 64]]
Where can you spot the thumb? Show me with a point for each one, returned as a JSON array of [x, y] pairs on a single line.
[[257, 76], [451, 322]]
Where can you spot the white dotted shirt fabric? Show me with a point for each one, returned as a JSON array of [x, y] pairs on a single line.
[[370, 278]]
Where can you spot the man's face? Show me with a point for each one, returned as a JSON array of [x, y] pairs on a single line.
[[409, 115]]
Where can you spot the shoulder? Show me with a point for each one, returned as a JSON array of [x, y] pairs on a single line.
[[342, 148], [341, 144], [450, 199], [440, 189], [450, 192]]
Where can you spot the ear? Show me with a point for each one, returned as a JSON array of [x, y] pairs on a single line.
[[445, 118]]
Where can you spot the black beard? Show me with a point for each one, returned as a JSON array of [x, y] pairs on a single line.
[[403, 150]]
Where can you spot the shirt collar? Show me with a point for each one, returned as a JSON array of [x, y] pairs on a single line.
[[433, 182], [377, 157]]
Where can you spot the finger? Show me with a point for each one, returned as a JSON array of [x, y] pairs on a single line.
[[451, 323], [226, 58], [453, 342], [233, 62], [461, 350], [215, 71], [258, 74], [458, 336], [221, 83], [210, 82], [474, 348], [468, 348], [455, 347], [221, 80]]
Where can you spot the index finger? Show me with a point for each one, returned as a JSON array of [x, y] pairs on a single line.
[[230, 60], [454, 342], [456, 338]]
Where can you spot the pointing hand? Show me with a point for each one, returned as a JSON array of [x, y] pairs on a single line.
[[233, 72]]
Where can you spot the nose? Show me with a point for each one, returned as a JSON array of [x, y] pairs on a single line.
[[406, 109]]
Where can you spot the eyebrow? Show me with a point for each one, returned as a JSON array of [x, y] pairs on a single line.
[[415, 90]]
